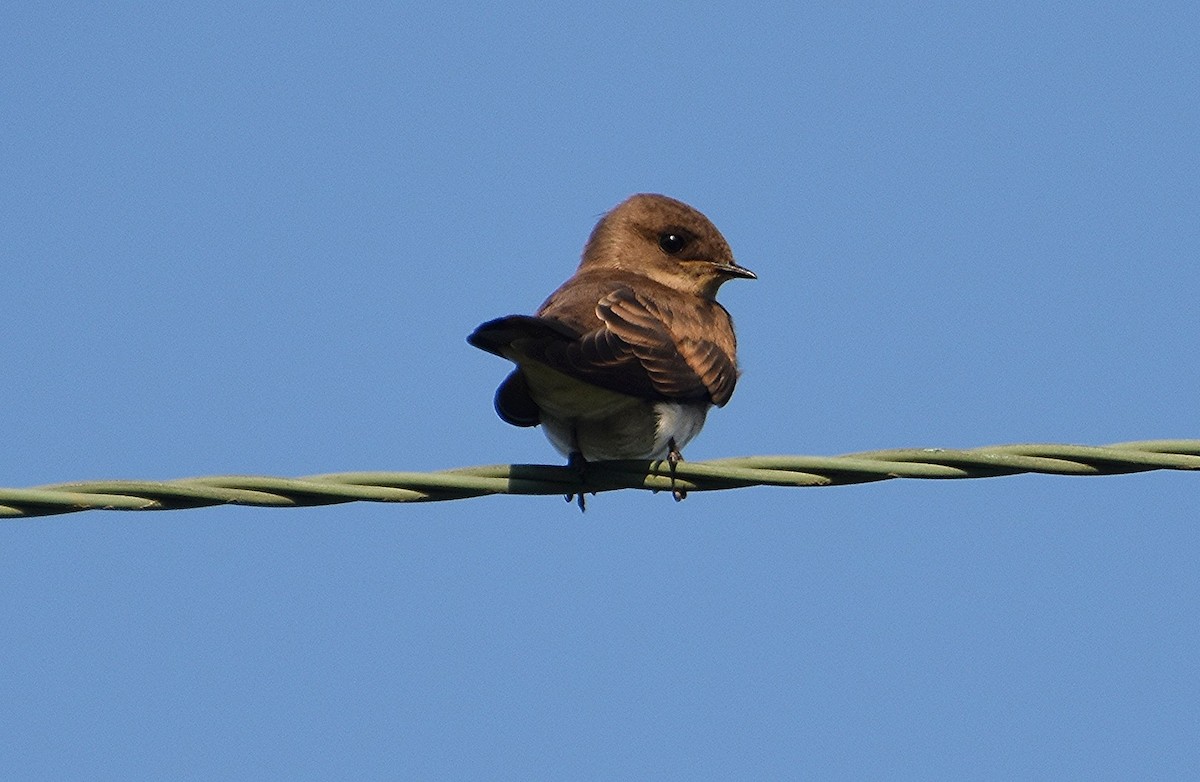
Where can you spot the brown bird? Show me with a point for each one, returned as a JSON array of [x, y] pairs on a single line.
[[625, 359]]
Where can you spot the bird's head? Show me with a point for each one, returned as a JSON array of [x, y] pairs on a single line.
[[665, 240]]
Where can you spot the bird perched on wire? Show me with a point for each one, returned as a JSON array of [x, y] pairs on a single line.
[[625, 359]]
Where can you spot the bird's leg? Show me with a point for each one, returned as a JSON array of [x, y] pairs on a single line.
[[674, 457], [579, 464]]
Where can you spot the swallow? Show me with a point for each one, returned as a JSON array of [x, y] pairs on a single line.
[[627, 357]]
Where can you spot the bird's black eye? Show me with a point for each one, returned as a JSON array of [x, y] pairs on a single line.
[[673, 242]]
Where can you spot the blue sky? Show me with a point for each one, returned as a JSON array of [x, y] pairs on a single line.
[[252, 239]]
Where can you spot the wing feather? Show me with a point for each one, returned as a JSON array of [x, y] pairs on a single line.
[[634, 351]]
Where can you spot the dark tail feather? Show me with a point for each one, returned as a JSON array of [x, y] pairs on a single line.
[[514, 405]]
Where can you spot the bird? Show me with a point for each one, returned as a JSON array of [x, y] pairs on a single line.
[[625, 359]]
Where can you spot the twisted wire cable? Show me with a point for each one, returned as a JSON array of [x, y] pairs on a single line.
[[537, 479]]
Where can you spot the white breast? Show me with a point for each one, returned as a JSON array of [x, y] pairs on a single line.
[[639, 431]]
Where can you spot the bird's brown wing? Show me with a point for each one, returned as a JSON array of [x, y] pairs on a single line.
[[634, 351], [670, 345]]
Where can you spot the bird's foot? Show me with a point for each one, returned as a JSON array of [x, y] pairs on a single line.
[[674, 457], [579, 464]]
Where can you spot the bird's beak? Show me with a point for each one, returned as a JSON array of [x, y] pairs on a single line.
[[732, 269]]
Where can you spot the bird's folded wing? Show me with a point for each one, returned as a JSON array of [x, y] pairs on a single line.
[[634, 352], [498, 336]]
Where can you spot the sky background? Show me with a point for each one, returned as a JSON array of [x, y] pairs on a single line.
[[252, 238]]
